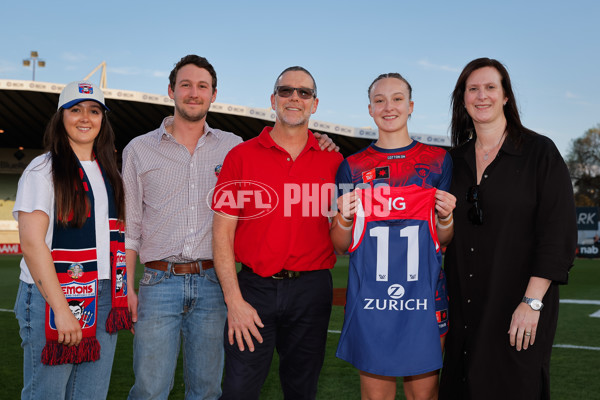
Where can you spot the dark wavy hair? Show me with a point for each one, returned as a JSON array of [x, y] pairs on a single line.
[[461, 126], [72, 205], [199, 62]]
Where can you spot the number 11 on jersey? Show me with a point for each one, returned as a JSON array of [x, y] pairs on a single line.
[[382, 233]]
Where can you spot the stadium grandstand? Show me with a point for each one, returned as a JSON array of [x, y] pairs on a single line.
[[28, 105]]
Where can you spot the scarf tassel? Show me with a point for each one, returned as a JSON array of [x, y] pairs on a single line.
[[119, 318], [55, 353]]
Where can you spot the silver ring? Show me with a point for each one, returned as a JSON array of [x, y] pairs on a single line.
[[527, 333]]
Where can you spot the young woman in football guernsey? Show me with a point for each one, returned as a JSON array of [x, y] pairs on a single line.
[[71, 212], [394, 216]]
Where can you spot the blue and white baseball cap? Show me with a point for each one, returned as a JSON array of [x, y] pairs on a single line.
[[78, 91]]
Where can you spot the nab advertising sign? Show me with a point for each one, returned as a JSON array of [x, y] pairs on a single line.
[[587, 218], [588, 251]]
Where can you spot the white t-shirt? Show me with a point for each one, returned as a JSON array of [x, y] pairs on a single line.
[[36, 192]]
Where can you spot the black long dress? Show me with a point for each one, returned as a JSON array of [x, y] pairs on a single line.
[[528, 229]]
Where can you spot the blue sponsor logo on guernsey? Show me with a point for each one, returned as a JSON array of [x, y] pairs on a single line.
[[396, 291], [396, 303]]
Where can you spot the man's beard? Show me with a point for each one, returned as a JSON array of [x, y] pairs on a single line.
[[292, 123], [190, 117]]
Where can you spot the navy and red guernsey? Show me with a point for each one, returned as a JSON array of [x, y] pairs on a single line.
[[417, 164], [390, 325], [376, 337]]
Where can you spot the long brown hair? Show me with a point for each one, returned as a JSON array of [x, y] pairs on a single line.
[[72, 205], [461, 127]]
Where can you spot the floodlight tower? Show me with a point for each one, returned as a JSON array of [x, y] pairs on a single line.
[[34, 59]]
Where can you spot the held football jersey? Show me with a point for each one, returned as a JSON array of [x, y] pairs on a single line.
[[390, 327]]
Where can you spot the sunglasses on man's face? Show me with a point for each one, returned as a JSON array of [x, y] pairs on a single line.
[[475, 213], [288, 91]]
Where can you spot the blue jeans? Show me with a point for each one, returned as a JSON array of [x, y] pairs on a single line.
[[88, 380], [173, 308]]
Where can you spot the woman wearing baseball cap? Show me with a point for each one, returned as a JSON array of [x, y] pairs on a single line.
[[70, 208]]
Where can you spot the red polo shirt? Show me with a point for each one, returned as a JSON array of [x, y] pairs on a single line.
[[281, 204]]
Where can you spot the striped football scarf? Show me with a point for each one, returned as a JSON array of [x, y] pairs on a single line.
[[75, 262]]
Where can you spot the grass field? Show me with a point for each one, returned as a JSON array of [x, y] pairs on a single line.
[[574, 369]]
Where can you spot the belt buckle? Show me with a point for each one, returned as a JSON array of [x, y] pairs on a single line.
[[182, 274], [173, 269], [286, 274]]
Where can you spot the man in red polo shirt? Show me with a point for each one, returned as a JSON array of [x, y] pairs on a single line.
[[271, 203]]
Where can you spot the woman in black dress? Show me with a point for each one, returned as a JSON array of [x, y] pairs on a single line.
[[514, 243]]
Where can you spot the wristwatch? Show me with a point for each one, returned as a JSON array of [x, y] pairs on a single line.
[[535, 304]]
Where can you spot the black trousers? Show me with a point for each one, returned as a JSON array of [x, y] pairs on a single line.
[[295, 313]]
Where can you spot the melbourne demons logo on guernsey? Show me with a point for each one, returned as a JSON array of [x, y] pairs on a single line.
[[423, 171]]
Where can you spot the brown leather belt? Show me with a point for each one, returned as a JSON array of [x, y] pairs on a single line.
[[283, 274], [181, 268]]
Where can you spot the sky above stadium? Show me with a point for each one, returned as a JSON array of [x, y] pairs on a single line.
[[551, 49]]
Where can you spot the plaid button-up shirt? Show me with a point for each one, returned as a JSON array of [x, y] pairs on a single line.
[[168, 193]]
